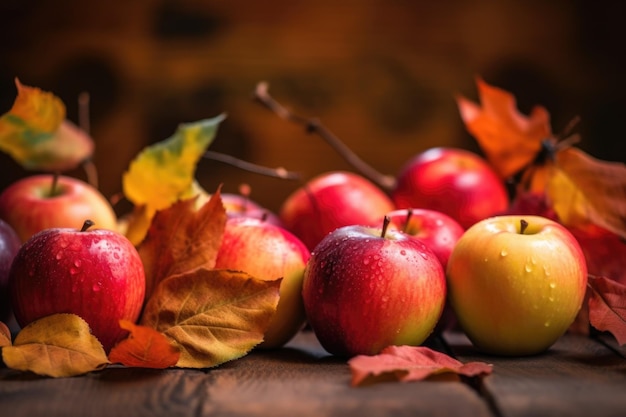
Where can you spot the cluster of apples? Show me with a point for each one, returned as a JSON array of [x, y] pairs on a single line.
[[365, 268]]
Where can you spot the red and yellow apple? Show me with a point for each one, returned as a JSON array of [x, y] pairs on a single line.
[[331, 200], [516, 283], [32, 204], [366, 288], [96, 274], [453, 181], [267, 251]]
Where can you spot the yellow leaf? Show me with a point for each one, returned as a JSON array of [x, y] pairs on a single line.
[[164, 172], [60, 345], [214, 316], [181, 239], [35, 133]]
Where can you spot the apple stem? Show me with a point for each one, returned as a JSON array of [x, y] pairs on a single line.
[[86, 225], [312, 125], [386, 222], [55, 184], [523, 226], [249, 166], [409, 214]]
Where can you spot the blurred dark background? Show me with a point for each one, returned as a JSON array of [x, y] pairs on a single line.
[[381, 74]]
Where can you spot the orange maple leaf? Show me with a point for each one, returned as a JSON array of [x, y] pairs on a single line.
[[144, 348]]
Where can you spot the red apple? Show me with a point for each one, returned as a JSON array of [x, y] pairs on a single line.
[[437, 230], [367, 288], [9, 245], [267, 251], [96, 274], [453, 181], [331, 200], [516, 283], [30, 205]]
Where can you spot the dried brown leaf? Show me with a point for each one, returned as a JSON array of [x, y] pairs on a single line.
[[213, 316]]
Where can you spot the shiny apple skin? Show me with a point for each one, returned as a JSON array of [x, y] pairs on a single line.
[[332, 200], [9, 245], [516, 293], [96, 274], [453, 181], [363, 292], [29, 208]]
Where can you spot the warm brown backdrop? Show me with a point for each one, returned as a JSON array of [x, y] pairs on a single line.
[[381, 74]]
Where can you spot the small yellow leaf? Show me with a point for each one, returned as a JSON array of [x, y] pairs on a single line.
[[60, 345], [35, 133], [164, 172], [214, 316]]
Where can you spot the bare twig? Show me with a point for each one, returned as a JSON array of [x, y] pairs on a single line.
[[312, 125], [249, 166], [84, 123]]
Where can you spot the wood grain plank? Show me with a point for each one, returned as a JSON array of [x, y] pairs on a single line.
[[578, 376], [298, 380]]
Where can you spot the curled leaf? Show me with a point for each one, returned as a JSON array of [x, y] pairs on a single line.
[[213, 316], [144, 348], [37, 135], [607, 307], [163, 173], [60, 345], [509, 139], [181, 239], [5, 335], [586, 190], [410, 363]]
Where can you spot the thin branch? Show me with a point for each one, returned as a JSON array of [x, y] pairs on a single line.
[[312, 125], [279, 172], [84, 123]]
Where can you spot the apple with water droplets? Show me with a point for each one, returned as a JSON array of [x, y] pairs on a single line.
[[516, 283], [96, 274], [366, 288]]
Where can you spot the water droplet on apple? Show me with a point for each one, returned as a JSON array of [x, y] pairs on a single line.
[[384, 298], [424, 255], [96, 287], [528, 268], [59, 256], [403, 252], [553, 285], [486, 260], [366, 261], [77, 263], [503, 253], [74, 271], [547, 324], [551, 299]]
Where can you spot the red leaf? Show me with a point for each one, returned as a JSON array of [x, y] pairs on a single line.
[[410, 363], [607, 307]]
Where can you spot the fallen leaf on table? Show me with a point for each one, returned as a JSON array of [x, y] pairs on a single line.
[[60, 345], [144, 348], [607, 307], [181, 238], [38, 137], [163, 173], [5, 335], [213, 316], [410, 363]]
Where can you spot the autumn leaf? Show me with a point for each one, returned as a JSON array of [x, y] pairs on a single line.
[[36, 134], [144, 348], [410, 363], [5, 335], [181, 239], [607, 307], [60, 345], [213, 316], [509, 139], [584, 190], [163, 173]]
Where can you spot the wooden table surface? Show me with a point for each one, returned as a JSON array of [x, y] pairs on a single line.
[[578, 376]]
